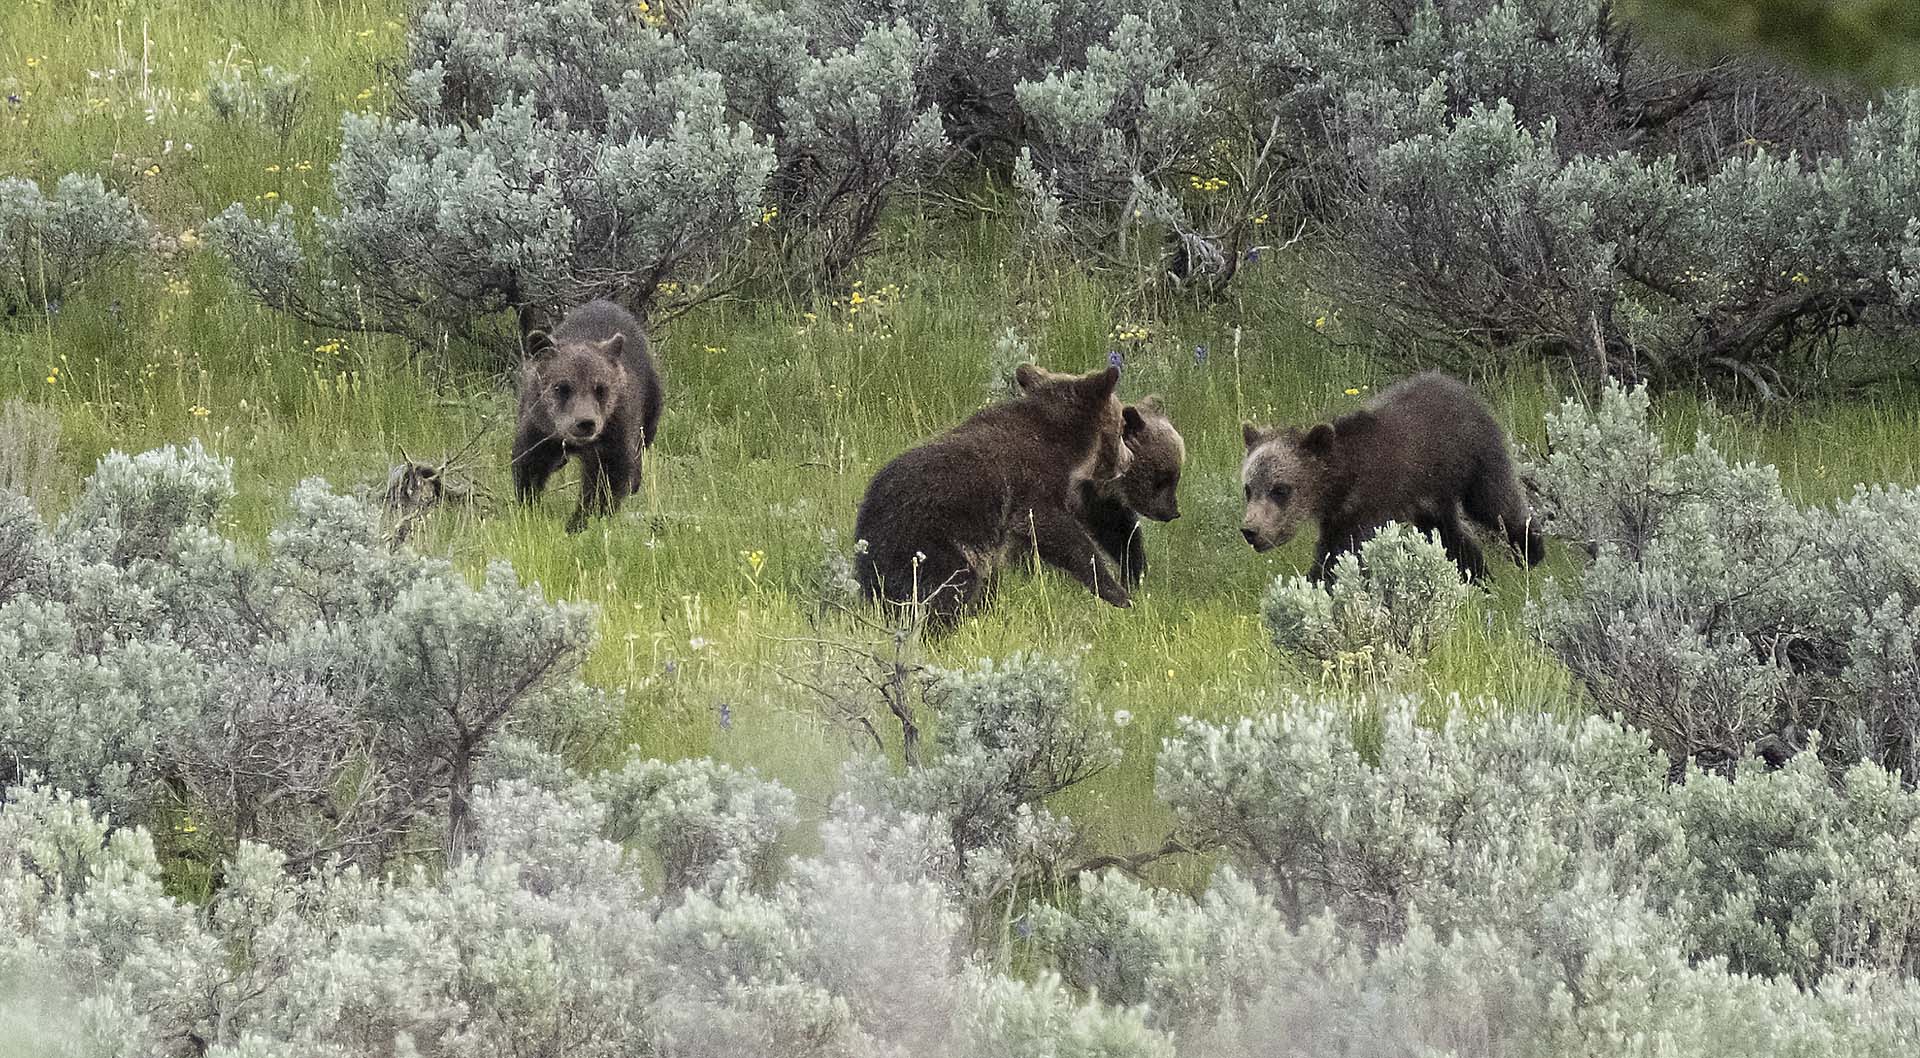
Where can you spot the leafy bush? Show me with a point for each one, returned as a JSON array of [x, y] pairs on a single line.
[[331, 698], [544, 154], [1389, 605], [1488, 233], [1010, 735], [269, 98], [49, 244], [1505, 826], [1716, 613], [541, 155], [846, 112]]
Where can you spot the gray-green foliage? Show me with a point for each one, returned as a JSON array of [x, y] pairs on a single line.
[[1509, 825], [1716, 613], [1515, 885], [844, 105], [1390, 604], [543, 154], [1660, 266], [539, 155], [1009, 735], [331, 697], [50, 243], [269, 98]]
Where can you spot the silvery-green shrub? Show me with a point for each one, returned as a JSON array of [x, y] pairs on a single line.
[[1009, 735], [1718, 614], [1491, 824], [331, 697], [1390, 604], [538, 155], [51, 243], [845, 106], [270, 98], [710, 825]]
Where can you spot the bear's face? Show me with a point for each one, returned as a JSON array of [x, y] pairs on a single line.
[[1079, 397], [1151, 485], [578, 384], [1281, 480]]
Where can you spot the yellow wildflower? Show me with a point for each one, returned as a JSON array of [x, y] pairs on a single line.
[[32, 61], [271, 195], [273, 168], [1320, 324], [1353, 391], [199, 411]]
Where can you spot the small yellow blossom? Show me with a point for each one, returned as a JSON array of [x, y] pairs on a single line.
[[1261, 219], [364, 34], [271, 195], [1353, 391], [152, 170], [303, 167], [199, 411], [365, 94], [32, 61], [1320, 324], [274, 168]]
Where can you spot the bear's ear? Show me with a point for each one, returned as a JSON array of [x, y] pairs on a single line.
[[1252, 435], [611, 347], [1027, 376], [1318, 441], [1150, 404], [1106, 382], [1132, 424], [539, 345]]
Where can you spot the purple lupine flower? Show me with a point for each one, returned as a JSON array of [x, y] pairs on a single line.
[[1023, 926], [13, 99], [1199, 356], [1115, 360], [726, 716], [1253, 254]]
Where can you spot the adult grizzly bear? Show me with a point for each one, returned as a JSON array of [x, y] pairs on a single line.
[[589, 390], [939, 520], [1420, 453], [1111, 510]]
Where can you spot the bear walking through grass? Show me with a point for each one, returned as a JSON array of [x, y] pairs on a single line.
[[588, 390], [1423, 453], [939, 521]]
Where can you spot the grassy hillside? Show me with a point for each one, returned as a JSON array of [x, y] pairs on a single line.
[[777, 413]]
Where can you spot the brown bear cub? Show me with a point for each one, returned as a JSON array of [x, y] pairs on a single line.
[[589, 390], [1111, 510], [1420, 453], [939, 521]]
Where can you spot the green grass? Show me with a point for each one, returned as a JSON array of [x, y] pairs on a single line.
[[774, 421]]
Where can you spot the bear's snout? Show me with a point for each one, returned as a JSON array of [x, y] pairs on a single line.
[[1253, 538], [586, 429]]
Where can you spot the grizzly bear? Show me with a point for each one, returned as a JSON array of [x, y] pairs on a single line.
[[1420, 453], [1111, 510], [590, 390], [939, 521]]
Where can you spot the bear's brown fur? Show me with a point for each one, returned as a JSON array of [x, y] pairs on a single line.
[[1111, 510], [1421, 453], [589, 390], [939, 520]]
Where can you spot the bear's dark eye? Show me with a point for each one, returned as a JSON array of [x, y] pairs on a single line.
[[562, 390], [1281, 493], [600, 394]]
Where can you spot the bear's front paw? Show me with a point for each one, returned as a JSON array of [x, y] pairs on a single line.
[[1117, 596]]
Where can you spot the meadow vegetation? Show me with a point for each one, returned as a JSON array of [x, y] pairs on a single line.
[[1278, 778]]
